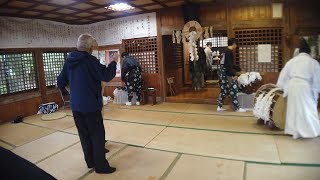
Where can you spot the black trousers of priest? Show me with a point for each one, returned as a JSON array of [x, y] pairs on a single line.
[[92, 136], [14, 167], [228, 87]]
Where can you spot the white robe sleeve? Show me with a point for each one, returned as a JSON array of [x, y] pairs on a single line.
[[284, 78], [316, 81]]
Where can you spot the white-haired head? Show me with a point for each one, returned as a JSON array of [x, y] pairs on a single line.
[[86, 42]]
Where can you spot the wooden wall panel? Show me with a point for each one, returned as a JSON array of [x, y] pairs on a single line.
[[26, 106], [178, 79], [306, 13], [55, 97], [150, 80], [250, 10], [214, 15], [153, 80], [22, 108], [173, 56], [171, 19], [111, 86], [270, 77], [187, 73]]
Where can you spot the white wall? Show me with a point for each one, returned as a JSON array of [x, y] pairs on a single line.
[[35, 33]]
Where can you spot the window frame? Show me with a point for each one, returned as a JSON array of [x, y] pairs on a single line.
[[23, 51], [53, 51], [34, 93]]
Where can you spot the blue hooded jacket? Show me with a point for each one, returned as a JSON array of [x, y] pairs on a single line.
[[84, 73]]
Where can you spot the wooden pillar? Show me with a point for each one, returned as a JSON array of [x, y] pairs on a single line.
[[41, 75], [228, 19], [162, 78], [287, 33]]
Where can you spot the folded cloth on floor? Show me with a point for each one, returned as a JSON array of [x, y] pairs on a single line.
[[48, 108]]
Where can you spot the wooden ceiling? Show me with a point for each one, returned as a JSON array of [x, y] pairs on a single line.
[[82, 12]]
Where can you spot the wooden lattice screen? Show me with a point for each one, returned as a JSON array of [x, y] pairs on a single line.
[[173, 54], [17, 72], [247, 51], [217, 41], [145, 51], [53, 63]]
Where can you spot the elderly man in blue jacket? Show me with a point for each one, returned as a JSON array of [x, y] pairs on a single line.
[[84, 73]]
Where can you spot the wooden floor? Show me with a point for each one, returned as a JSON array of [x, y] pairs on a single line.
[[207, 95]]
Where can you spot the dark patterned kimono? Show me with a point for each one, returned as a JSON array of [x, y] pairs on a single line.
[[131, 74], [228, 86]]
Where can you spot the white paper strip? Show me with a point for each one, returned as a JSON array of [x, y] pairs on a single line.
[[264, 53], [277, 9]]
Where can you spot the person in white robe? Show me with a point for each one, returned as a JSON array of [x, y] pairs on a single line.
[[208, 52], [300, 81]]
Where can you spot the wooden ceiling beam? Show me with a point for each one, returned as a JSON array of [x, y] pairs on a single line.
[[161, 3], [32, 17], [4, 4], [35, 10], [90, 10], [28, 8], [125, 13], [61, 7], [60, 18]]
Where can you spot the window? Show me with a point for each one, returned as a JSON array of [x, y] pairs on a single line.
[[145, 51], [53, 63], [218, 41], [247, 51], [17, 72]]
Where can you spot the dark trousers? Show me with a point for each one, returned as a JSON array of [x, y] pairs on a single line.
[[92, 136], [228, 87], [15, 167], [130, 95]]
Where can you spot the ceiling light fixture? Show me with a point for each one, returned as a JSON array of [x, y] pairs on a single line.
[[120, 7]]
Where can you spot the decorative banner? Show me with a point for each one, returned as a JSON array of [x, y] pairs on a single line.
[[31, 33], [277, 10], [108, 59], [264, 53]]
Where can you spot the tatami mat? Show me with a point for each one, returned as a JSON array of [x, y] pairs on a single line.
[[189, 108], [70, 163], [33, 117], [212, 109], [249, 147], [67, 111], [221, 123], [72, 130], [159, 118], [45, 146], [58, 124], [137, 163], [304, 151], [131, 133], [195, 167], [21, 133], [5, 145], [276, 172], [170, 107], [112, 105]]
